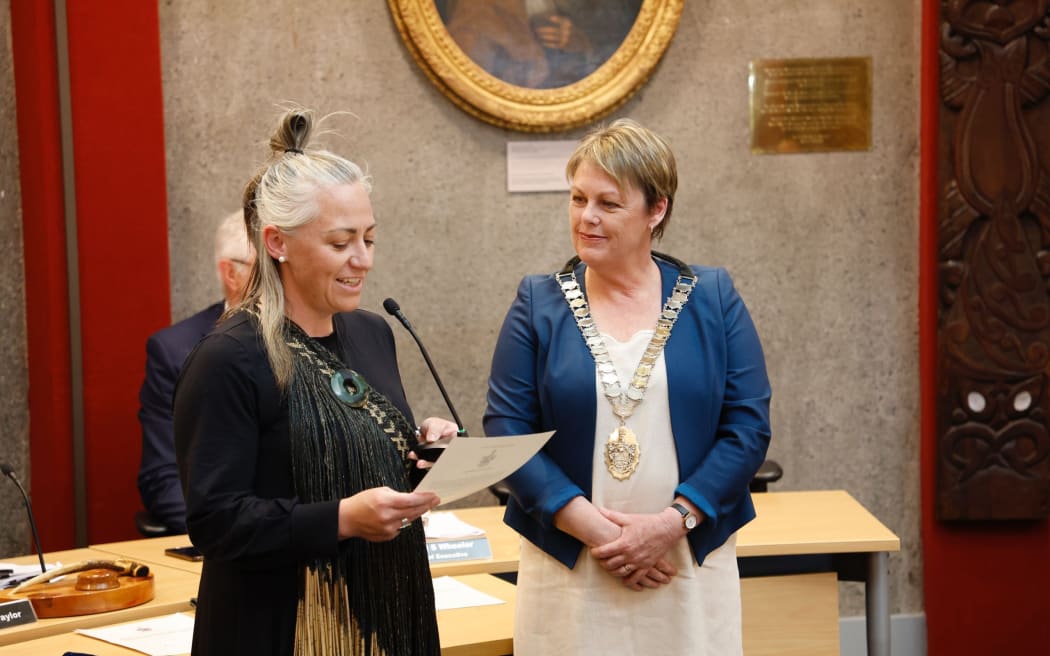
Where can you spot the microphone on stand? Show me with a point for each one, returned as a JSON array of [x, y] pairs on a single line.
[[425, 451], [9, 471]]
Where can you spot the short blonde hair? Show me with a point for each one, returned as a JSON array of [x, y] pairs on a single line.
[[633, 156]]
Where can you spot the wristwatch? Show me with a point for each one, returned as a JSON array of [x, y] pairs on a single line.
[[689, 520]]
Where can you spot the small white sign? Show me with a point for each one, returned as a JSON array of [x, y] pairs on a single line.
[[538, 165], [444, 551]]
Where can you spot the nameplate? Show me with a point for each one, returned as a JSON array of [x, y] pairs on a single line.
[[14, 613], [446, 551]]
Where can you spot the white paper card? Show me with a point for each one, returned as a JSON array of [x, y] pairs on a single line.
[[168, 635], [450, 593], [21, 573], [538, 165], [469, 464], [444, 525]]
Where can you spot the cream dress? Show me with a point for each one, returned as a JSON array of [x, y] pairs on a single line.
[[586, 610]]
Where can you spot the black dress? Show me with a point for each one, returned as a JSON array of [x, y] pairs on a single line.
[[233, 450]]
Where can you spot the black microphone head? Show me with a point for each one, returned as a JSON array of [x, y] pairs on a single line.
[[391, 307], [6, 469]]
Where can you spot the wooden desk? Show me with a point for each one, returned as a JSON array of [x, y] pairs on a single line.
[[482, 631], [791, 615], [826, 530], [172, 591], [823, 530], [151, 552], [60, 644], [790, 527], [824, 521], [503, 540]]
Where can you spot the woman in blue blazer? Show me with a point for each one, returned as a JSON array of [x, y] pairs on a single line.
[[652, 375]]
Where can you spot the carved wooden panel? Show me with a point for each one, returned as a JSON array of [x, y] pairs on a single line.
[[993, 459]]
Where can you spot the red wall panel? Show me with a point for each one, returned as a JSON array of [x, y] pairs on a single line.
[[986, 585], [122, 277], [43, 238], [118, 141]]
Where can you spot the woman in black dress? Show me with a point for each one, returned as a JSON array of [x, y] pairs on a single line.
[[292, 435]]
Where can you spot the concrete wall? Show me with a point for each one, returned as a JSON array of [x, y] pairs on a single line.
[[14, 381]]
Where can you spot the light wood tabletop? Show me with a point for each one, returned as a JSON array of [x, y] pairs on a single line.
[[823, 521], [504, 542], [480, 631], [483, 630], [172, 589], [151, 552], [788, 523], [795, 615]]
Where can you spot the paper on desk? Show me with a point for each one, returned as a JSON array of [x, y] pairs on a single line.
[[450, 593], [21, 573], [469, 464], [168, 635], [444, 525]]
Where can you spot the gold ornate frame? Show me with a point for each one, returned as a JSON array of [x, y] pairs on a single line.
[[485, 96]]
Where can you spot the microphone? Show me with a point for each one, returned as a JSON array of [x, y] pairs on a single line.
[[9, 471], [393, 309]]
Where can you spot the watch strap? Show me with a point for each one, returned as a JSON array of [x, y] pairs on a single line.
[[686, 515]]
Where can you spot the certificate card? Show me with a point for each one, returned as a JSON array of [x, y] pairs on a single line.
[[469, 464]]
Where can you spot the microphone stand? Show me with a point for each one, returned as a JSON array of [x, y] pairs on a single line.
[[499, 490], [392, 308], [9, 471]]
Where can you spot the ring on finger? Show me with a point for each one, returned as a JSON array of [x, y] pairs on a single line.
[[626, 569], [404, 523]]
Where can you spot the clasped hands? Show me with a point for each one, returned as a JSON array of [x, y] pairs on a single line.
[[638, 556]]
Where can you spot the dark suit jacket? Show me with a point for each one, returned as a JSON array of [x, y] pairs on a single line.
[[362, 334], [543, 379], [158, 479], [234, 454]]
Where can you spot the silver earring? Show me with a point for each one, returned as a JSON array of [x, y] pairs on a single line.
[[282, 259]]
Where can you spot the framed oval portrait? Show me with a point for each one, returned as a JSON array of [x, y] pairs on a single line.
[[537, 65]]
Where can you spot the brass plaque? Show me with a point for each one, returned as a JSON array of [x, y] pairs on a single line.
[[810, 105]]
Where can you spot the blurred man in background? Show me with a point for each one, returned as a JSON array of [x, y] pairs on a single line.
[[166, 350]]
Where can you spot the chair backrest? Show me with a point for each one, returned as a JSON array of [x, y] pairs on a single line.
[[150, 527], [769, 472]]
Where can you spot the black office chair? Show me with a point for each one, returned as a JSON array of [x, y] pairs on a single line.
[[501, 492], [769, 472], [150, 527]]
